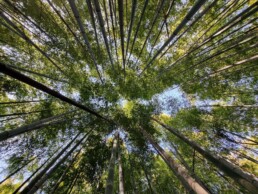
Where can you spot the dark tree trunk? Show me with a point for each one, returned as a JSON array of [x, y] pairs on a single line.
[[33, 182], [45, 176], [23, 78], [35, 125], [183, 175], [246, 180], [111, 168]]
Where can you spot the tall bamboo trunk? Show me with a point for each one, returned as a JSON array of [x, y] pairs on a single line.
[[93, 23], [138, 27], [20, 102], [17, 170], [148, 179], [38, 74], [183, 175], [113, 25], [111, 168], [121, 25], [40, 182], [63, 20], [120, 171], [22, 113], [134, 5], [182, 160], [157, 13], [25, 79], [102, 28], [86, 40], [70, 188], [247, 180], [230, 23], [28, 40], [64, 173], [35, 125], [36, 171], [48, 166], [134, 190], [188, 17]]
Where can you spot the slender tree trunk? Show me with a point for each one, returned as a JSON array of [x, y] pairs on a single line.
[[23, 78], [108, 25], [113, 26], [183, 175], [134, 5], [157, 14], [22, 113], [194, 48], [240, 41], [70, 188], [231, 106], [64, 173], [35, 125], [101, 23], [27, 39], [248, 181], [93, 23], [253, 58], [17, 170], [148, 179], [120, 171], [121, 26], [163, 24], [181, 159], [132, 176], [188, 16], [240, 136], [27, 18], [138, 27], [48, 166], [20, 102], [45, 176], [36, 171], [199, 16], [63, 20], [86, 41], [111, 168], [212, 75], [9, 119], [38, 74]]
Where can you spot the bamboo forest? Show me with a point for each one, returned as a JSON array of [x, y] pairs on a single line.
[[128, 96]]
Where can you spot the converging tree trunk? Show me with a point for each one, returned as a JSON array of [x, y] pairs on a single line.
[[36, 171], [247, 180], [23, 78], [120, 170], [35, 125], [40, 182], [64, 172], [183, 175], [111, 168], [188, 16], [48, 166]]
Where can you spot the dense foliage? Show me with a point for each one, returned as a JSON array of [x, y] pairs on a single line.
[[113, 96]]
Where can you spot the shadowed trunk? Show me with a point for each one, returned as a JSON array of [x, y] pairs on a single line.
[[35, 125], [120, 171], [48, 166], [183, 175], [40, 182], [23, 78], [247, 180], [111, 168]]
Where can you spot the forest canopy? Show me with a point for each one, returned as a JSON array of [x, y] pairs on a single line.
[[128, 96]]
